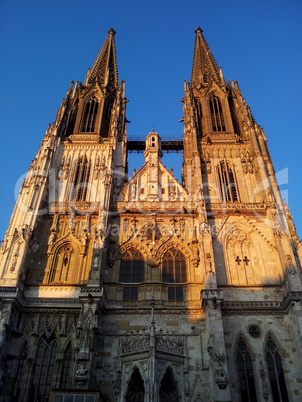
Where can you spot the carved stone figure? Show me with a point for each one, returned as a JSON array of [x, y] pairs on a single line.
[[221, 379]]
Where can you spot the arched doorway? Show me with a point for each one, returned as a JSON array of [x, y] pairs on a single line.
[[168, 388], [136, 389]]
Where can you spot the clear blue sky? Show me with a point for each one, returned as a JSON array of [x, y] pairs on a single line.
[[46, 44]]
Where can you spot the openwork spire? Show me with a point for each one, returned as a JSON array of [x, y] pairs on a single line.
[[104, 69], [205, 67]]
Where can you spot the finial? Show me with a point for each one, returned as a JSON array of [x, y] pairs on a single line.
[[153, 129], [111, 31], [198, 29]]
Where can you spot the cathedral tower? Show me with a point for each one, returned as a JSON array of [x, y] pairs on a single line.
[[139, 288]]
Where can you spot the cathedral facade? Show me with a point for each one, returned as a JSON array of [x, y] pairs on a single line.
[[140, 288]]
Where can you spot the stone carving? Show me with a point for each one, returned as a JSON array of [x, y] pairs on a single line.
[[81, 375], [170, 343], [172, 191], [97, 169], [290, 265], [134, 343], [14, 263], [110, 257], [244, 166], [219, 357], [95, 264], [221, 379], [72, 219], [34, 321], [263, 381], [209, 264], [62, 320], [270, 198], [141, 341], [133, 191]]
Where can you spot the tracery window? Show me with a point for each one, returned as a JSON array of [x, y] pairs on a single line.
[[81, 180], [132, 269], [66, 368], [199, 118], [216, 114], [64, 265], [174, 270], [43, 369], [245, 372], [275, 371], [89, 117], [227, 183]]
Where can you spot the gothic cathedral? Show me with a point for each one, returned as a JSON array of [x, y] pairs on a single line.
[[141, 288]]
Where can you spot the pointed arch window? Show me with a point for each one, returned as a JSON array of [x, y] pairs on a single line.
[[43, 369], [216, 114], [132, 269], [89, 116], [66, 368], [199, 118], [64, 265], [245, 372], [174, 270], [227, 183], [72, 120], [81, 180], [275, 371], [174, 266]]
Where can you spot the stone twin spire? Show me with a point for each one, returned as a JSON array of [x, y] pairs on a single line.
[[205, 68], [104, 69]]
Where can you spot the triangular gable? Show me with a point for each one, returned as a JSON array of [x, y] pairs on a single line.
[[140, 189]]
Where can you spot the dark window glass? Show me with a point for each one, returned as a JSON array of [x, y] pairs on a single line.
[[275, 370], [245, 373], [81, 180], [254, 331], [130, 293], [227, 183], [89, 117], [216, 114], [132, 267], [19, 383], [66, 368], [43, 369], [175, 293], [174, 267]]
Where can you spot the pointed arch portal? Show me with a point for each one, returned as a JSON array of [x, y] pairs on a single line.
[[136, 389], [168, 388]]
